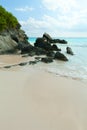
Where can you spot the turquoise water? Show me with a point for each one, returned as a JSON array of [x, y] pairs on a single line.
[[76, 67]]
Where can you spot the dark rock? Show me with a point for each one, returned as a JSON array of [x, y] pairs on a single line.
[[69, 51], [14, 38], [38, 41], [63, 41], [32, 53], [47, 37], [47, 60], [25, 48], [60, 56], [22, 64], [40, 51], [32, 62], [55, 48], [37, 58], [59, 41], [41, 43], [20, 35], [51, 54], [7, 67]]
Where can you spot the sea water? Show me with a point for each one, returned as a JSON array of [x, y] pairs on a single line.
[[76, 67]]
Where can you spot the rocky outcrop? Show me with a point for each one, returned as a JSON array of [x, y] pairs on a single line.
[[16, 39], [51, 50], [41, 43], [19, 36], [59, 41], [13, 40], [60, 56], [47, 60], [44, 44], [69, 51], [49, 39], [11, 35], [7, 45]]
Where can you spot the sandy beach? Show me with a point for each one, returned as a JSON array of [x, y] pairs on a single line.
[[33, 99]]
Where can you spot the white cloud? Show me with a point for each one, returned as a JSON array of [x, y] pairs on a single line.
[[62, 5], [60, 25], [24, 9], [46, 24], [63, 17]]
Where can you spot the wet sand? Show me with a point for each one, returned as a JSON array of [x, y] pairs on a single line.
[[32, 99]]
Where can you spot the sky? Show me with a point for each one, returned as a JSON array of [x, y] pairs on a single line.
[[59, 18]]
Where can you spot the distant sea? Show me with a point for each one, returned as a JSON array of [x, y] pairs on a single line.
[[76, 67]]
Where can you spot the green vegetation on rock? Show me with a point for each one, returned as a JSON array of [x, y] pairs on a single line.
[[7, 20]]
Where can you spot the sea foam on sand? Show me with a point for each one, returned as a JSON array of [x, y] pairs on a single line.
[[37, 100]]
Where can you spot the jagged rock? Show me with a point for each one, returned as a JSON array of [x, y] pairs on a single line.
[[14, 38], [47, 60], [25, 48], [7, 67], [59, 41], [32, 53], [37, 58], [39, 51], [60, 56], [55, 48], [33, 62], [69, 51], [38, 41], [50, 54], [7, 45], [18, 35], [47, 37], [41, 43], [22, 64]]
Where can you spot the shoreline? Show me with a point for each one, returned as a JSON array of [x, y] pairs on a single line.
[[14, 60], [36, 100], [32, 98]]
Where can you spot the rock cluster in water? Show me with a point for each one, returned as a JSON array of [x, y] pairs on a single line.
[[45, 45]]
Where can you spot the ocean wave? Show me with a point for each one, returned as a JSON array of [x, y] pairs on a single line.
[[68, 74]]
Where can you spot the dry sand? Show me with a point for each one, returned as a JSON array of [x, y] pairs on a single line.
[[32, 99]]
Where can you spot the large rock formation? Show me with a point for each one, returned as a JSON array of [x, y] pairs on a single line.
[[7, 45], [12, 40], [51, 50], [11, 35], [60, 56]]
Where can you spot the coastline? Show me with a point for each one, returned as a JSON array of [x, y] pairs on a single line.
[[32, 98]]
